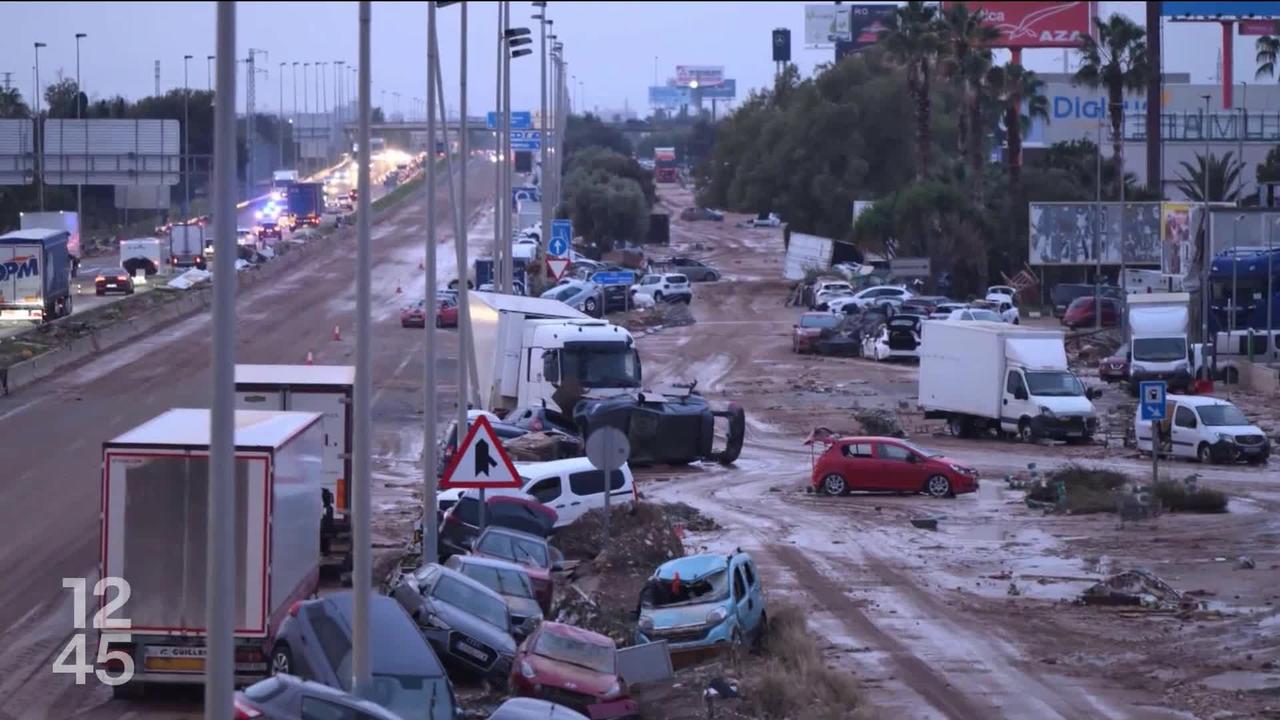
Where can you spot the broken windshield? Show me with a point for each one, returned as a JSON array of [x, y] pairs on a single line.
[[591, 656], [674, 592]]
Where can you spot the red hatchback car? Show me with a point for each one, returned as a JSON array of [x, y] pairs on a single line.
[[572, 667], [415, 315], [1115, 368], [805, 333], [1080, 313], [889, 465]]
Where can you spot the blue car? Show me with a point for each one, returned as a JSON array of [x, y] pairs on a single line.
[[703, 602]]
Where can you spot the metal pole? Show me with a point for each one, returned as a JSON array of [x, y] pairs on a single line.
[[40, 133], [362, 569], [1124, 320], [1235, 297], [1156, 445], [1097, 233], [507, 260], [500, 155], [208, 69], [220, 579], [429, 554], [306, 101], [294, 135], [466, 356], [80, 186], [1271, 336], [282, 120], [186, 139], [1206, 257], [545, 137]]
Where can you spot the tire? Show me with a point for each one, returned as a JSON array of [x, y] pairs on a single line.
[[1024, 431], [282, 659], [958, 426], [657, 298], [68, 306], [1015, 321], [937, 486], [1256, 460], [1204, 454], [101, 293], [439, 321], [713, 277], [688, 300], [834, 485], [591, 306]]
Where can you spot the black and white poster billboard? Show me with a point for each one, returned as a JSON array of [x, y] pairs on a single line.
[[1074, 234]]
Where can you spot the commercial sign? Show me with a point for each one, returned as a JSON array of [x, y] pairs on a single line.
[[1036, 24], [669, 96], [1259, 27], [695, 76], [111, 152], [866, 24], [1070, 234], [1177, 250], [17, 159], [826, 24], [726, 90], [1219, 10]]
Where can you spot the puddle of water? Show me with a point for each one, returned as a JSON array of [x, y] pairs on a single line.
[[1237, 680]]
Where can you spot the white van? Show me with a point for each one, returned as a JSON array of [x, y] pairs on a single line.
[[1207, 429], [573, 487]]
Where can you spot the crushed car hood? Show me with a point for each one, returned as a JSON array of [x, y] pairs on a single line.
[[569, 676]]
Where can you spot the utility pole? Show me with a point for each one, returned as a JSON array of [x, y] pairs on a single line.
[[362, 570], [466, 359], [157, 78], [429, 400], [507, 167], [39, 148], [208, 69], [1206, 252], [220, 579], [281, 115], [500, 152], [186, 139], [545, 136], [250, 110], [297, 146], [1097, 232], [80, 91]]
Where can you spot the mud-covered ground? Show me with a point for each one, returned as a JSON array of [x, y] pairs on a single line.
[[978, 618]]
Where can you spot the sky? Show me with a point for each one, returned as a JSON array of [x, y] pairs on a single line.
[[614, 49]]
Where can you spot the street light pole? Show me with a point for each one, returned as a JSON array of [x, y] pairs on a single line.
[[1206, 251], [186, 139], [282, 121], [40, 146], [500, 156], [542, 125], [79, 92], [429, 554], [208, 69], [362, 570], [306, 101]]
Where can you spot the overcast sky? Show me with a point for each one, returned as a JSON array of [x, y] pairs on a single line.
[[612, 47]]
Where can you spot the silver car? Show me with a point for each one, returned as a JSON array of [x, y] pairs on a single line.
[[508, 580], [286, 697], [466, 623], [581, 295]]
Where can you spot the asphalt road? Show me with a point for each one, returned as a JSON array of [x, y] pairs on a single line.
[[54, 433]]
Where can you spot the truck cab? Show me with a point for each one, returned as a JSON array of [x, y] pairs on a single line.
[[1046, 402], [593, 356]]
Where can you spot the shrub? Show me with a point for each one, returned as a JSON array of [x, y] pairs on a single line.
[[1177, 496], [795, 681], [1088, 489]]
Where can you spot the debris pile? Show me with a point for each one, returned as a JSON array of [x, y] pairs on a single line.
[[878, 421], [1138, 587], [642, 537]]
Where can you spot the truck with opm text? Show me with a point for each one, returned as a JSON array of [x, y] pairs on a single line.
[[35, 275]]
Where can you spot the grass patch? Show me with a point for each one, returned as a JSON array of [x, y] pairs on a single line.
[[1098, 490], [1177, 496], [795, 680]]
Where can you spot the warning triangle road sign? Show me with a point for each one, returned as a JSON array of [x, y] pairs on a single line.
[[556, 267], [481, 461]]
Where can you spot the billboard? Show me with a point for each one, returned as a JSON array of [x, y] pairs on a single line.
[[142, 197], [1259, 27], [1219, 10], [111, 152], [17, 158], [726, 90], [699, 75], [668, 96], [1036, 24], [866, 23], [1177, 235], [1067, 234], [826, 24]]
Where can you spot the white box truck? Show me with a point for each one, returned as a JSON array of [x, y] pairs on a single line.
[[154, 525], [35, 275], [57, 220], [186, 245], [981, 376], [325, 389], [1158, 339], [151, 255]]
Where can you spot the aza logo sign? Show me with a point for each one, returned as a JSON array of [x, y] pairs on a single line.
[[19, 268], [1059, 36]]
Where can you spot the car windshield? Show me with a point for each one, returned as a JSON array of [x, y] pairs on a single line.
[[563, 293], [1166, 349], [600, 365], [413, 698], [1053, 384], [837, 288], [819, 321], [986, 315], [525, 551], [1222, 415], [575, 652], [471, 600], [677, 591], [504, 581]]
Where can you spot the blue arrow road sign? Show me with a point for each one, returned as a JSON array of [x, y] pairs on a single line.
[[520, 120], [614, 277], [1151, 399], [561, 235], [526, 139]]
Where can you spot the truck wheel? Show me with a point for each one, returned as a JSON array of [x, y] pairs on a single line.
[[1025, 433], [281, 659], [938, 486], [958, 426], [1204, 454], [67, 306], [834, 485]]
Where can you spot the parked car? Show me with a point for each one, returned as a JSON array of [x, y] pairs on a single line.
[[1080, 313], [460, 524], [1063, 294], [875, 342], [314, 643], [119, 281], [668, 287], [904, 336], [269, 228], [467, 624], [880, 295], [573, 487], [508, 580], [415, 315], [806, 332], [975, 314], [889, 465], [524, 708], [1006, 311], [1002, 293], [1205, 428], [824, 291], [536, 418], [943, 310], [1115, 367], [703, 602], [573, 667], [581, 295], [695, 270], [765, 219], [531, 552], [286, 697], [923, 305]]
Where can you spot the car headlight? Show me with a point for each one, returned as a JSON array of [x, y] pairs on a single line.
[[614, 691], [1223, 437], [646, 623], [526, 670], [1136, 368], [1046, 411], [960, 469], [717, 616]]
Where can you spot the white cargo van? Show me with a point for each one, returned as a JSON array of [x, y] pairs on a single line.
[[573, 487], [1204, 428], [148, 254]]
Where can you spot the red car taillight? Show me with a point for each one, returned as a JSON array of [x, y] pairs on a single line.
[[245, 711]]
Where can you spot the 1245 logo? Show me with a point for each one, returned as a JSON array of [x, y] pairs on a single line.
[[73, 659]]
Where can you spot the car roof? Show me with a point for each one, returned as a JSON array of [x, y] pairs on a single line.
[[1198, 400], [548, 467], [470, 582], [500, 530], [482, 561], [391, 654], [866, 438], [576, 633], [692, 566], [525, 708]]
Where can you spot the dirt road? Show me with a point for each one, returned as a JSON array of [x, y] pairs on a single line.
[[974, 620], [55, 433]]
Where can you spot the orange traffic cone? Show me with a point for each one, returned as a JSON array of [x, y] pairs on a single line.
[[310, 358], [337, 333]]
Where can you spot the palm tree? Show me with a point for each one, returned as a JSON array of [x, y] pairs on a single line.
[[1267, 47], [913, 40], [12, 105], [1115, 60], [1011, 85], [1224, 172], [967, 41]]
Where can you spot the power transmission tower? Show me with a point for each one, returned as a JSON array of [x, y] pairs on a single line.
[[6, 75], [250, 110], [157, 78]]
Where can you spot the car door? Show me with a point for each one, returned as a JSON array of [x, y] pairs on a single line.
[[743, 604], [858, 466], [755, 598], [1185, 430], [586, 492], [1013, 405], [550, 492], [326, 649], [900, 467]]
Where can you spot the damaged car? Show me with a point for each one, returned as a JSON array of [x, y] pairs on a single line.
[[885, 464], [532, 553], [706, 602], [806, 332], [1203, 428], [573, 667], [508, 580]]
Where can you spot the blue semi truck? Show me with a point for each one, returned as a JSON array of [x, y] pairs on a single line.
[[35, 275]]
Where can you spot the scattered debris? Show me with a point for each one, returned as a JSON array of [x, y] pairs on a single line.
[[1245, 563], [877, 421], [925, 523], [1137, 587]]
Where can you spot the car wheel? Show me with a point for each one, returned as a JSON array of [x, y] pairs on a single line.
[[834, 485], [714, 277], [937, 486], [1024, 431], [1204, 454], [281, 659], [100, 293], [590, 306], [1015, 321], [657, 297]]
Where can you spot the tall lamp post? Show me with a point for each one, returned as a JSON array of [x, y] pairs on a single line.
[[186, 139], [515, 39], [208, 69], [544, 136], [1206, 252], [40, 146], [280, 138], [79, 92]]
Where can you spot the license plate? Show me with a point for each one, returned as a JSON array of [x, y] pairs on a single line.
[[175, 659]]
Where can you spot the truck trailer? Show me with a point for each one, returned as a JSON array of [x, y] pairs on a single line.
[[68, 220], [325, 389], [306, 203], [981, 376], [35, 275], [154, 525], [186, 245]]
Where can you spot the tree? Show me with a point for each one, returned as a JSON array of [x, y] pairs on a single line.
[[583, 131], [377, 116], [914, 40], [606, 209], [1010, 86], [12, 105], [1115, 60], [1267, 48], [61, 97], [600, 158], [967, 61], [1268, 171], [1223, 173]]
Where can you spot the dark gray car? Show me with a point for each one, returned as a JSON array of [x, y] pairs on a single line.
[[466, 623], [286, 697], [508, 580], [314, 643]]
